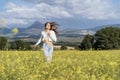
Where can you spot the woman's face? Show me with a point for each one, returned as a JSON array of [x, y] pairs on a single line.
[[48, 26]]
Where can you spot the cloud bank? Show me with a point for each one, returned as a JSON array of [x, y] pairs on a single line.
[[59, 9]]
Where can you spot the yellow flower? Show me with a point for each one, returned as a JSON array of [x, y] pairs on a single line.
[[3, 21], [113, 63], [15, 31]]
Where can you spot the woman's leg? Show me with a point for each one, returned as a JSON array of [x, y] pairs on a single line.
[[48, 51], [45, 51]]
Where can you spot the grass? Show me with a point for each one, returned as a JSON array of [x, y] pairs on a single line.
[[66, 65]]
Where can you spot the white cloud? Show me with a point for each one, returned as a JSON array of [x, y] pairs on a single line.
[[89, 9], [16, 21], [2, 22], [10, 5], [17, 14], [58, 9], [92, 9], [47, 11]]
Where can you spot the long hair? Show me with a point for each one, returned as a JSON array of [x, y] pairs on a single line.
[[54, 26]]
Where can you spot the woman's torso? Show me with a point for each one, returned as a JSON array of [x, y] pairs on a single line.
[[46, 38]]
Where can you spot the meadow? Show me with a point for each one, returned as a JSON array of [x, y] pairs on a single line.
[[66, 65]]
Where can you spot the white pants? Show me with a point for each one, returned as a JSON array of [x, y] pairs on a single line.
[[48, 51]]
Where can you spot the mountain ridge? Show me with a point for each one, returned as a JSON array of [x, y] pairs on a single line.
[[34, 30]]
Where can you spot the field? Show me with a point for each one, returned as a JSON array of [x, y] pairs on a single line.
[[66, 65]]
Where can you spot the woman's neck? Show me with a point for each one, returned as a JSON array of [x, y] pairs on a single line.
[[47, 30]]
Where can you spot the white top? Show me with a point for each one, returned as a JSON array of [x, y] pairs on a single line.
[[51, 37]]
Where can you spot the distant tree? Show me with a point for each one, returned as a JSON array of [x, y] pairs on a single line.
[[63, 47], [7, 47], [78, 47], [107, 38], [3, 43], [13, 45], [20, 45], [87, 42], [27, 46]]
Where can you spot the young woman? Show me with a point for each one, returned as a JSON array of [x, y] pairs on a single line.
[[48, 36]]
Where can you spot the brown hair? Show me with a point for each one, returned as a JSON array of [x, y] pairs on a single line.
[[53, 26]]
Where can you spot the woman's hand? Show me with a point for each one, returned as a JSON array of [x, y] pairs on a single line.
[[48, 32], [34, 46]]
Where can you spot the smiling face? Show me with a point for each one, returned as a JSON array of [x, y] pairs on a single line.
[[47, 26]]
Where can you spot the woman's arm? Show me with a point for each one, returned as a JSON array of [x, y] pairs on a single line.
[[53, 36], [39, 41]]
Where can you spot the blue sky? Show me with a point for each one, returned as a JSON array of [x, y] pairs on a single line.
[[80, 14]]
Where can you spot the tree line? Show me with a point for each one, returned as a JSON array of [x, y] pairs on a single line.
[[105, 39], [14, 45]]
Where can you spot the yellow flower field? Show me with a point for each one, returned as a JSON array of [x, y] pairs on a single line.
[[66, 65]]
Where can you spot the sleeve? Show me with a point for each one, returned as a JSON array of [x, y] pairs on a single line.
[[53, 36], [39, 41]]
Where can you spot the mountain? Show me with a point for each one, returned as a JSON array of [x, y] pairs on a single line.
[[5, 31], [31, 31], [34, 31], [103, 26], [36, 25], [76, 33], [35, 28]]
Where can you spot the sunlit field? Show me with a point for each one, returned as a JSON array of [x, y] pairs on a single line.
[[66, 65]]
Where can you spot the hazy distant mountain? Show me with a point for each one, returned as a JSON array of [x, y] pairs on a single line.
[[76, 33], [103, 26], [79, 32], [5, 31], [35, 28], [34, 31], [36, 25]]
